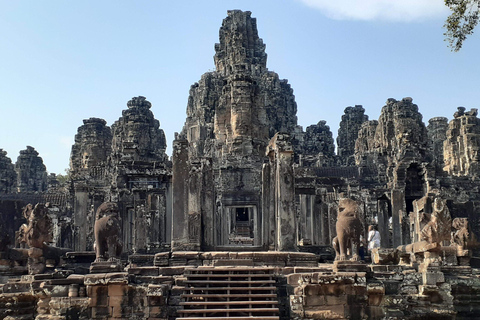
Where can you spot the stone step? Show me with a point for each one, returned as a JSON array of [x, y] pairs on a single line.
[[225, 303], [231, 288], [233, 275], [230, 317], [234, 295], [224, 269], [247, 310], [216, 282]]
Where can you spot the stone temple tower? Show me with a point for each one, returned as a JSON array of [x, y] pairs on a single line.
[[232, 114]]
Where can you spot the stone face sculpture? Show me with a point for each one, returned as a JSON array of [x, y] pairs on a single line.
[[37, 232], [107, 233], [349, 228]]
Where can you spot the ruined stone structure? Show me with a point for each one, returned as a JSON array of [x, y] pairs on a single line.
[[316, 147], [8, 176], [31, 172], [126, 164], [350, 124], [461, 148], [93, 145], [232, 114], [240, 221]]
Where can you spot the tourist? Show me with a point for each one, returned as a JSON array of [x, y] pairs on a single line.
[[373, 238]]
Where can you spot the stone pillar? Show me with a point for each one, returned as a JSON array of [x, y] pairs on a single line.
[[383, 223], [179, 188], [398, 208], [81, 210], [280, 151], [195, 193], [208, 204]]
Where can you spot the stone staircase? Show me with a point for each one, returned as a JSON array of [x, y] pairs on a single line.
[[229, 293]]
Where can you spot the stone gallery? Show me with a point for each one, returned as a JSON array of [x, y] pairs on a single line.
[[252, 217]]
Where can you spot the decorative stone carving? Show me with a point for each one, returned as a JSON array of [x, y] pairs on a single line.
[[37, 232], [349, 228], [107, 233], [194, 228]]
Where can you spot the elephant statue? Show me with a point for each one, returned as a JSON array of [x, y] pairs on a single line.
[[349, 227], [107, 233]]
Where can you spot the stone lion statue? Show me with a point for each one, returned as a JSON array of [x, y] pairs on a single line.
[[107, 233], [349, 227], [37, 232]]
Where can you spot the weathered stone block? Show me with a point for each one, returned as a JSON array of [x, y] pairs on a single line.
[[98, 295], [100, 312], [144, 271], [314, 300], [433, 278]]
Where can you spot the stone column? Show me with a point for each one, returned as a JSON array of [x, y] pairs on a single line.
[[179, 188], [195, 193], [81, 210], [398, 208], [281, 154]]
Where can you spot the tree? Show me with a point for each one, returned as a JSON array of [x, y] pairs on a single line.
[[461, 22]]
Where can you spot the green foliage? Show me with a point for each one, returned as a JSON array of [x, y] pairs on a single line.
[[461, 22], [63, 178]]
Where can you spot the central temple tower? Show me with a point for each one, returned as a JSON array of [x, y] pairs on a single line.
[[232, 114]]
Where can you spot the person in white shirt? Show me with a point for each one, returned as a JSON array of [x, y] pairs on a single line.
[[373, 238]]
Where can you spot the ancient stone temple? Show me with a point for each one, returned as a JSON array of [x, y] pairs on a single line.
[[252, 217], [232, 114]]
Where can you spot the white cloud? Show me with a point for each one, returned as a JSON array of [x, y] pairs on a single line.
[[385, 10]]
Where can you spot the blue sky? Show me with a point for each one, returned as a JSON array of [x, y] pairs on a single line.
[[65, 61]]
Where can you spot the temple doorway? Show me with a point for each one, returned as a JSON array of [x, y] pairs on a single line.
[[242, 225]]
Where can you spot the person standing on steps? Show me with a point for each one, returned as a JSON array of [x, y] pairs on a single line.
[[373, 238]]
